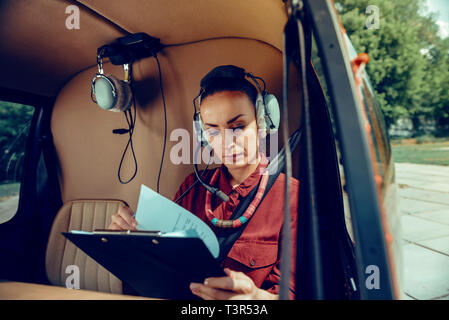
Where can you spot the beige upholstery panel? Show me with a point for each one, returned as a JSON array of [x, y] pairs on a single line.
[[85, 215], [88, 152], [181, 21], [38, 53]]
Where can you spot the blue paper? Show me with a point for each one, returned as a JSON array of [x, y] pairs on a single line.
[[80, 232], [155, 212]]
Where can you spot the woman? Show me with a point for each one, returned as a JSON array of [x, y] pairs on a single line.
[[228, 109]]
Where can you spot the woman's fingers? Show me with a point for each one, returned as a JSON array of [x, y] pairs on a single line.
[[208, 293], [121, 223], [235, 274], [114, 226], [127, 214], [123, 220], [118, 220], [236, 284], [236, 281]]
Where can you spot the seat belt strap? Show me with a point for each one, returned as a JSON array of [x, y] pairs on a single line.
[[227, 237]]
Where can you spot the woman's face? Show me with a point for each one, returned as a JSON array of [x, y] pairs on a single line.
[[230, 122]]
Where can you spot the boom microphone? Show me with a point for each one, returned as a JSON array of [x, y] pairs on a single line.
[[210, 188]]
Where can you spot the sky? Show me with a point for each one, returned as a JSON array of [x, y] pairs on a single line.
[[441, 8]]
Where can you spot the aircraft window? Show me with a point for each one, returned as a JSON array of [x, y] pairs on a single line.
[[378, 129], [15, 122], [316, 61]]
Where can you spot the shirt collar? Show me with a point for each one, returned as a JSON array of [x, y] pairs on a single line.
[[246, 185]]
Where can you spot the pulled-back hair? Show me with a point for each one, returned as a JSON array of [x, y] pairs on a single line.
[[220, 84]]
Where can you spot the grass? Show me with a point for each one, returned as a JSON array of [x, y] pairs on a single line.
[[425, 153], [9, 190]]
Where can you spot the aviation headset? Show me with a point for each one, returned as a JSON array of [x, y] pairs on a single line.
[[267, 106], [116, 95], [113, 94], [109, 92]]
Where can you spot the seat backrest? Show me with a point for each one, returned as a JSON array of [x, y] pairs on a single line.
[[89, 153], [85, 215]]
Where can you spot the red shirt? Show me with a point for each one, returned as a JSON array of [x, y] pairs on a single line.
[[257, 252]]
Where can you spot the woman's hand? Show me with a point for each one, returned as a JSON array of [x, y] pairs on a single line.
[[123, 220], [236, 286]]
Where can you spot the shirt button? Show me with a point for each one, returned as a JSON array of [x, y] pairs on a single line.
[[252, 262]]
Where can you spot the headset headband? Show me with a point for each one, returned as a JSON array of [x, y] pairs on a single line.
[[227, 72], [222, 72]]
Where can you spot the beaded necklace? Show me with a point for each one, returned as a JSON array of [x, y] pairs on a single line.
[[249, 211]]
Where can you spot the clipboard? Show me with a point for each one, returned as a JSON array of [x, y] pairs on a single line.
[[153, 265]]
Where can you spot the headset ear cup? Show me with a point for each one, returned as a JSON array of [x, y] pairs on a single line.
[[123, 94], [103, 92], [200, 131], [205, 139], [260, 116], [272, 115]]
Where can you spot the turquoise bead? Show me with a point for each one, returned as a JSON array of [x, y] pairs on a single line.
[[243, 219], [214, 221]]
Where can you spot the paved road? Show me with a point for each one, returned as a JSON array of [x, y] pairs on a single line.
[[424, 204]]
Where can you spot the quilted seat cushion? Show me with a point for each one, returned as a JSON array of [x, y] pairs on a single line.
[[85, 215]]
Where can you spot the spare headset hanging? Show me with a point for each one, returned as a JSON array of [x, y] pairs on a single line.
[[117, 95]]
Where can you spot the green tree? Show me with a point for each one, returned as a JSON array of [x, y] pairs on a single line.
[[399, 67], [436, 89], [14, 124]]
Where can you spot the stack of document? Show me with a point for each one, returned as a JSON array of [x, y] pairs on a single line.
[[155, 212]]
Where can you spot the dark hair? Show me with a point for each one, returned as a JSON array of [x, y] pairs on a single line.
[[228, 84]]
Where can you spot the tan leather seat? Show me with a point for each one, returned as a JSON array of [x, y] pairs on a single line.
[[85, 215]]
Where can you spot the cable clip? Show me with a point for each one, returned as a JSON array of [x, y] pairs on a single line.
[[120, 131]]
